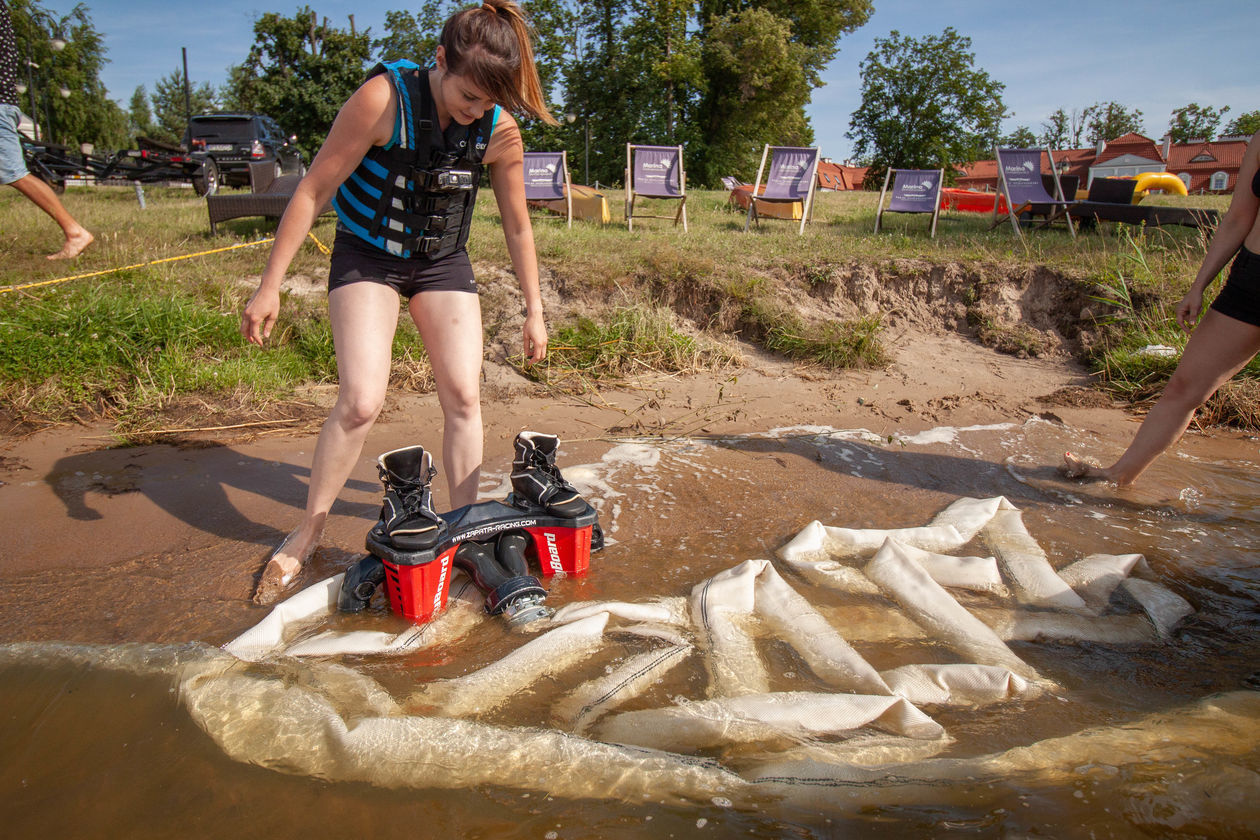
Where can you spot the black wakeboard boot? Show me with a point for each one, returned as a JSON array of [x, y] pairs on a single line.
[[536, 479], [408, 521]]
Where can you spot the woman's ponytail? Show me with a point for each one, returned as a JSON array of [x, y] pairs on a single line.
[[492, 44]]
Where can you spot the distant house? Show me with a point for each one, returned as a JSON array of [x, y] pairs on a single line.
[[1202, 166], [1126, 156], [1207, 167]]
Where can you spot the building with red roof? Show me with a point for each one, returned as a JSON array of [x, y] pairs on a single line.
[[1202, 166]]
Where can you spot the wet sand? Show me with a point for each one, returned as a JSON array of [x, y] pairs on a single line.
[[123, 530]]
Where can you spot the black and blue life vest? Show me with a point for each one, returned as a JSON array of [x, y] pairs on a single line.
[[414, 196]]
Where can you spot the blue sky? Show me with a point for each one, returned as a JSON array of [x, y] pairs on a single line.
[[1154, 55]]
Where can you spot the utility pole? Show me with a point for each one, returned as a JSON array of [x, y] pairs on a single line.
[[187, 88]]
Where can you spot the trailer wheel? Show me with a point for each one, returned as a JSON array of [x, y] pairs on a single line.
[[206, 181]]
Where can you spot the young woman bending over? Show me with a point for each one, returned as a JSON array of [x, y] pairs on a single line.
[[401, 166]]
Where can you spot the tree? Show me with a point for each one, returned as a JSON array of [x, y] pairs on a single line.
[[1109, 120], [760, 95], [299, 71], [413, 36], [761, 61], [924, 104], [1021, 138], [1244, 124], [66, 55], [139, 117], [1195, 122], [170, 109], [1055, 132]]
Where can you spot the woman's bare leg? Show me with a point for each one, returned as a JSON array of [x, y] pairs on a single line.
[[450, 325], [364, 317], [1219, 348]]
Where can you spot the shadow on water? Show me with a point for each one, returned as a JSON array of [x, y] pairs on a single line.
[[162, 475]]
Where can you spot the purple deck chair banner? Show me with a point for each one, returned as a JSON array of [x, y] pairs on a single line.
[[1021, 168], [1020, 171], [656, 171], [791, 174], [914, 191], [544, 176]]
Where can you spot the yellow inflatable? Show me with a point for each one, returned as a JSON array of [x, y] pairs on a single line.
[[1165, 181]]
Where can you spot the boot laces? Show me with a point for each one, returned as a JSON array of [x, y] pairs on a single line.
[[549, 469], [415, 495]]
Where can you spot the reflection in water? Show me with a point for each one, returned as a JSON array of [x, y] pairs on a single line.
[[75, 732]]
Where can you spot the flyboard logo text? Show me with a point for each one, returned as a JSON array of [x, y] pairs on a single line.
[[488, 530], [553, 554], [441, 586]]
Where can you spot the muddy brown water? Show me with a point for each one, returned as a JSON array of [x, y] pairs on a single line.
[[95, 752]]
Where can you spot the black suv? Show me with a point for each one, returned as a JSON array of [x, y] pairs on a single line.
[[231, 142]]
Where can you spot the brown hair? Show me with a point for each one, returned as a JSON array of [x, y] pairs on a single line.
[[491, 46]]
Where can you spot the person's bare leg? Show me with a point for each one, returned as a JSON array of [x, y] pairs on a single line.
[[77, 236], [1219, 348], [363, 316], [450, 324]]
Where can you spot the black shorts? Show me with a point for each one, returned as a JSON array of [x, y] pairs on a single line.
[[356, 261], [1241, 296]]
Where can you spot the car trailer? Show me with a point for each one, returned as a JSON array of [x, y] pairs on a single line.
[[154, 162]]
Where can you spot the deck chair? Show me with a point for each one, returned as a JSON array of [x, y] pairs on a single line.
[[1019, 180], [914, 191], [793, 177], [655, 172], [268, 197], [547, 180]]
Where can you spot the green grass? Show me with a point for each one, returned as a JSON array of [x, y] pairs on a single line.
[[127, 343], [629, 342]]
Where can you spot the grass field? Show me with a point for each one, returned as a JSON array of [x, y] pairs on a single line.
[[150, 332]]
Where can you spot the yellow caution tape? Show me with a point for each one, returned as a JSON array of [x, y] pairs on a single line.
[[4, 289], [322, 247]]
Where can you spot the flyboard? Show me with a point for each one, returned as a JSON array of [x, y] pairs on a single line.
[[496, 543]]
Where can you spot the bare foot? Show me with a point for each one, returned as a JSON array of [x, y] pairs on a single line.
[[1083, 467], [284, 565], [75, 243]]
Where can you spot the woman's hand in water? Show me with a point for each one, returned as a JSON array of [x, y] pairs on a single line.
[[260, 316], [535, 337]]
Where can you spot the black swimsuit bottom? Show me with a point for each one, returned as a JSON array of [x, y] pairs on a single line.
[[1240, 298], [356, 261]]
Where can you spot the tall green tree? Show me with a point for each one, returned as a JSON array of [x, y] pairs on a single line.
[[66, 55], [760, 89], [1109, 120], [300, 70], [1247, 123], [171, 111], [925, 104], [745, 47], [1055, 131], [1195, 122], [139, 114]]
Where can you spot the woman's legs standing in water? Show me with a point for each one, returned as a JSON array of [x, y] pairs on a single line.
[[1219, 347], [363, 317]]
